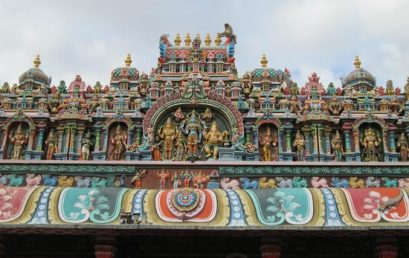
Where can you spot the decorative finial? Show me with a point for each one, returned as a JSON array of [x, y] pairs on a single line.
[[198, 37], [177, 40], [128, 60], [187, 40], [208, 40], [37, 61], [217, 41], [357, 62], [264, 61]]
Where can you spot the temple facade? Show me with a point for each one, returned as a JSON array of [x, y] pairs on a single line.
[[192, 156]]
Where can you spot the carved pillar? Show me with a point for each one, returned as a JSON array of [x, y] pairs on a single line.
[[73, 132], [105, 139], [105, 247], [280, 141], [347, 137], [328, 141], [60, 135], [288, 140], [130, 135], [80, 136], [314, 132], [6, 135], [307, 132], [386, 248], [40, 138], [138, 136], [270, 248], [356, 139], [32, 133], [97, 139], [247, 133], [392, 144]]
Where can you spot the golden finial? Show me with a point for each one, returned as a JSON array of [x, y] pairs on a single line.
[[264, 61], [208, 41], [37, 61], [187, 40], [128, 60], [217, 41], [177, 40], [357, 62], [198, 37]]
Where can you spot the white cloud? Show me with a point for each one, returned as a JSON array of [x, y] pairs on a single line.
[[91, 38]]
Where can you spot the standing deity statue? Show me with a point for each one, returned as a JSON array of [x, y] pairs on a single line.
[[86, 146], [163, 175], [193, 128], [118, 142], [178, 114], [213, 138], [207, 115], [168, 134], [266, 142], [370, 142], [299, 144], [228, 33], [180, 147], [337, 149], [51, 144], [19, 140], [403, 147]]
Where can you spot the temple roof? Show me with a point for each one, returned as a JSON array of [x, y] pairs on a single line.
[[35, 74]]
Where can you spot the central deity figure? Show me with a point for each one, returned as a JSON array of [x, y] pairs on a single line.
[[268, 141], [370, 141], [213, 138], [168, 134], [193, 128], [118, 142], [18, 140]]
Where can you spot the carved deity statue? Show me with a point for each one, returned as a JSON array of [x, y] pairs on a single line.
[[178, 114], [86, 146], [208, 115], [337, 149], [370, 142], [299, 144], [193, 128], [51, 144], [268, 143], [19, 140], [118, 142], [403, 147], [180, 147], [168, 134], [213, 138]]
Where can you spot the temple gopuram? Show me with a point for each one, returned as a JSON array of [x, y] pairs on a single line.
[[193, 160]]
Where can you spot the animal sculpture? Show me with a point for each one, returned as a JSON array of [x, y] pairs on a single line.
[[33, 180], [228, 183], [317, 182], [49, 180], [83, 181], [247, 184], [372, 182], [284, 182], [15, 180], [65, 181], [390, 182], [299, 182], [339, 183], [265, 183], [354, 182], [404, 182]]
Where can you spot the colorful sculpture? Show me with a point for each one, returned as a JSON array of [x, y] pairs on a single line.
[[336, 145], [370, 143], [19, 141], [51, 144], [168, 135], [118, 142], [213, 138], [403, 147], [87, 143], [299, 144]]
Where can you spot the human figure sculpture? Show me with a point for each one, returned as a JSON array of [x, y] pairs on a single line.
[[168, 134], [228, 33], [137, 178], [118, 142], [175, 180], [86, 146], [370, 142], [19, 140], [299, 144], [163, 175], [180, 147], [213, 138], [403, 147], [179, 115], [193, 128], [51, 144], [208, 115], [186, 176], [337, 149], [268, 145]]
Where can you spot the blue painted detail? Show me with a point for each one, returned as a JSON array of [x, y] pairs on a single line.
[[332, 217], [41, 212], [236, 210], [137, 207]]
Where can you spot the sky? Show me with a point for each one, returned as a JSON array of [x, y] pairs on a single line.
[[91, 38]]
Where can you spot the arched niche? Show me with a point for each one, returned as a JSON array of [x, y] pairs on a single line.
[[371, 141], [268, 140], [117, 140], [17, 140]]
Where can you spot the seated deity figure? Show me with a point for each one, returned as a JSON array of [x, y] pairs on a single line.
[[403, 147], [51, 144], [118, 142], [19, 140], [193, 127], [299, 144], [213, 138], [168, 134], [370, 142], [337, 149]]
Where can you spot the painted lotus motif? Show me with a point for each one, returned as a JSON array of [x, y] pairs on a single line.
[[13, 201], [99, 205], [276, 206]]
